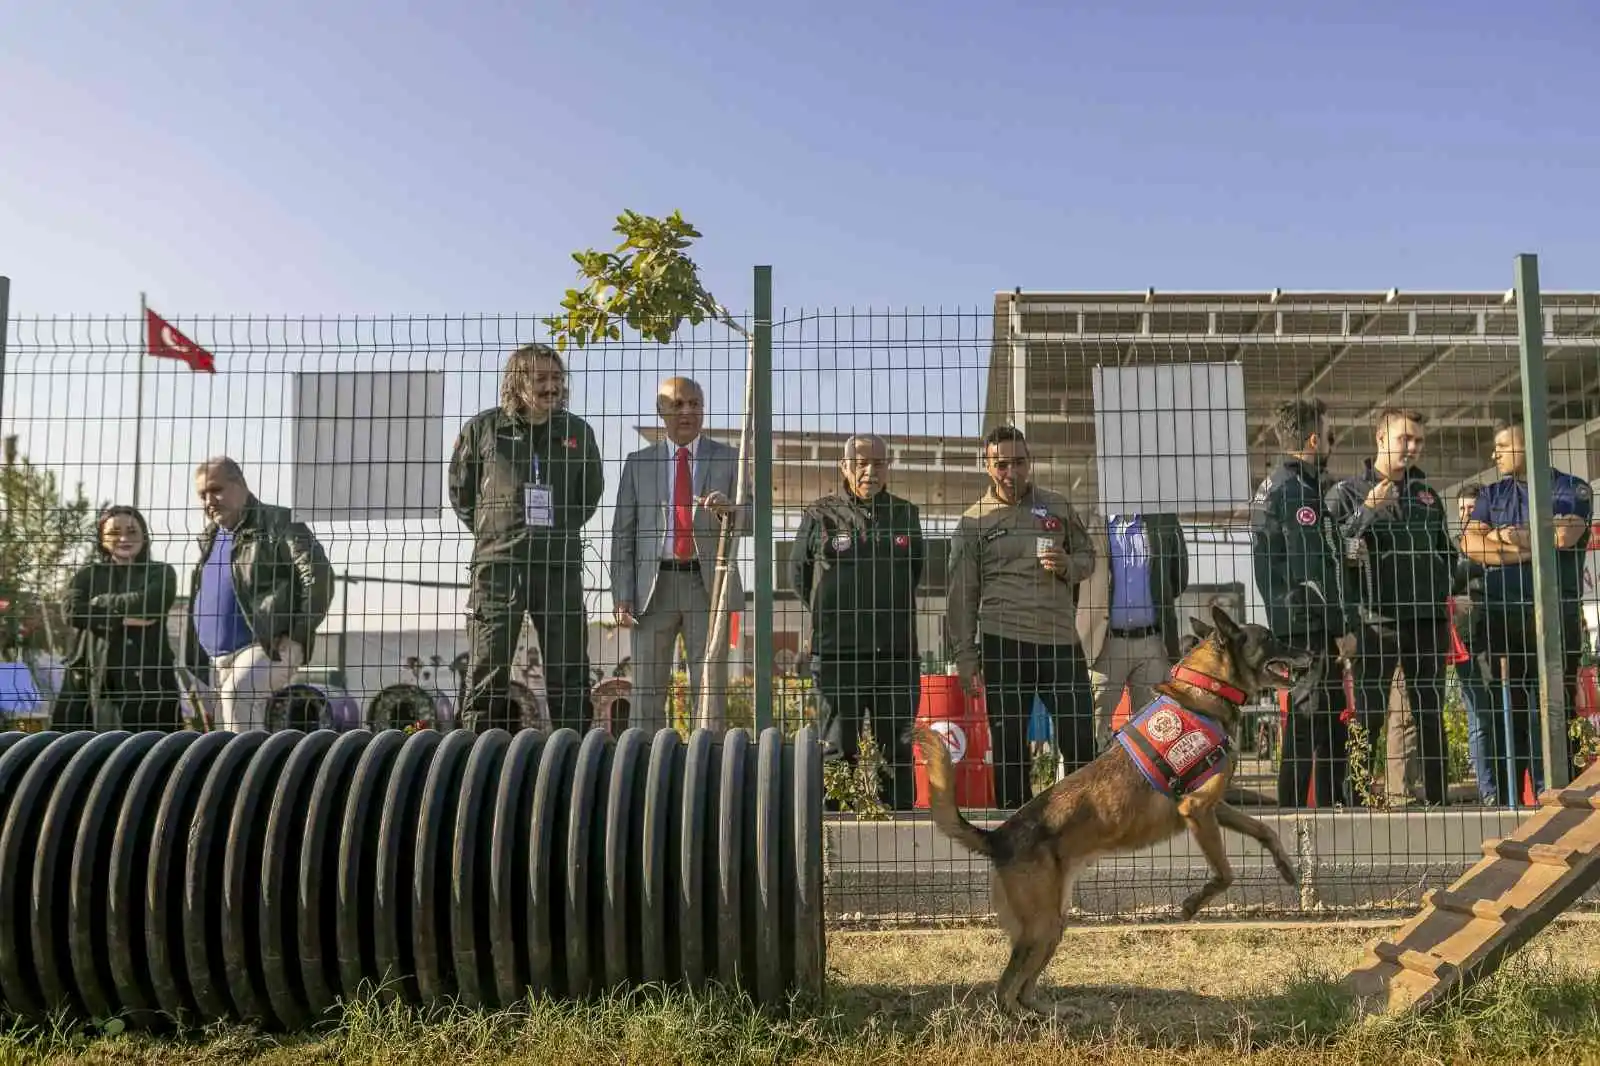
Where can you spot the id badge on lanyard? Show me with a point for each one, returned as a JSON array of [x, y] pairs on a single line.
[[538, 509]]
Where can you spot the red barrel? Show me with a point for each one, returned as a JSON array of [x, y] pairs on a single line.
[[963, 724]]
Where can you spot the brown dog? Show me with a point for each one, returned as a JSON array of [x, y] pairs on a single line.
[[1169, 772]]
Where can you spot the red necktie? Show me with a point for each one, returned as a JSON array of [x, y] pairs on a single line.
[[682, 509]]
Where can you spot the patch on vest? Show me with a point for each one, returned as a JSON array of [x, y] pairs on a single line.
[[1176, 749], [1164, 726]]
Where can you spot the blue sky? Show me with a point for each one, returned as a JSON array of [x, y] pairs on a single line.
[[345, 159]]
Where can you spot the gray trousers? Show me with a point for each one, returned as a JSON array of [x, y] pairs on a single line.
[[679, 606], [1140, 664]]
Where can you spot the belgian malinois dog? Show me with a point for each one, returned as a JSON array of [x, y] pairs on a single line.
[[1112, 804]]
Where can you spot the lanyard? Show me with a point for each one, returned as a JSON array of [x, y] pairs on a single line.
[[536, 480]]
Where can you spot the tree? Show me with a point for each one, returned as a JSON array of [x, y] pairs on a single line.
[[649, 284], [42, 536]]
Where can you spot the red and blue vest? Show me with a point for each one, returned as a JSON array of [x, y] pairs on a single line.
[[1175, 748]]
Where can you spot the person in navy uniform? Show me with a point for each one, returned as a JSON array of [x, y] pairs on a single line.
[[856, 563], [1400, 561], [1498, 537], [1301, 582]]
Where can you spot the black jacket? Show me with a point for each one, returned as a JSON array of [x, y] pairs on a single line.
[[1408, 567], [281, 576], [1292, 547], [1169, 573], [856, 566], [98, 600], [495, 456]]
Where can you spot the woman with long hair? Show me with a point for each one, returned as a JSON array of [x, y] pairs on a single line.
[[120, 673]]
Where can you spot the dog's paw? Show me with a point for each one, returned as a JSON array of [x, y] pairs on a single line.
[[1290, 875], [1191, 906]]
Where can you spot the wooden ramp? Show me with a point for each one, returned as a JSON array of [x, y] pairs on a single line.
[[1464, 932]]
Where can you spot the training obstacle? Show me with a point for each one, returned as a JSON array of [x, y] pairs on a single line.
[[1464, 932], [201, 877]]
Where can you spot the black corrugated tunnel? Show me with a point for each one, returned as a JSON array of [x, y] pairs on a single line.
[[262, 877]]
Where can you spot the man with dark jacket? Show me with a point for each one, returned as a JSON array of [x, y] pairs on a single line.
[[856, 563], [260, 590], [1127, 609], [1301, 582], [1400, 562], [525, 477]]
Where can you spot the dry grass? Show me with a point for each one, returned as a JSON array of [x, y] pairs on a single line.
[[1175, 994]]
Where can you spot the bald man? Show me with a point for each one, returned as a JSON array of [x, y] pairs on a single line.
[[856, 563], [260, 590], [671, 501]]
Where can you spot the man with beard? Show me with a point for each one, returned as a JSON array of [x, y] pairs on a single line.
[[856, 563], [671, 502], [1016, 560], [1400, 562], [1498, 537], [1301, 583], [524, 478]]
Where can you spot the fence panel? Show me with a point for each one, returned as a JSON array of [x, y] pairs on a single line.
[[1167, 407]]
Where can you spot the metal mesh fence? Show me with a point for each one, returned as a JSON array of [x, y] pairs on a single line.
[[1023, 591]]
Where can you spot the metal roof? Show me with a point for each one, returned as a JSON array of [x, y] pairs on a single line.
[[1451, 355]]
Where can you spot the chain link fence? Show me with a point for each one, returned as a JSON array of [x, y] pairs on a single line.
[[1021, 590]]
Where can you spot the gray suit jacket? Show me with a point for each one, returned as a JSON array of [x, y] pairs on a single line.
[[639, 530]]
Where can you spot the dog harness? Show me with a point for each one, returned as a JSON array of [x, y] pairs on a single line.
[[1175, 748]]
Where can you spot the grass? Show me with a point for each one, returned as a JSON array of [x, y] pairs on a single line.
[[1175, 994]]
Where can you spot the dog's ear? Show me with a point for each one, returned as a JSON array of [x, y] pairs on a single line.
[[1225, 624], [1202, 629]]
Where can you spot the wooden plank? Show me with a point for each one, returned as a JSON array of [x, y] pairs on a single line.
[[1460, 936]]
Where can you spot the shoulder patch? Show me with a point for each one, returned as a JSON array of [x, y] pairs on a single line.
[[1582, 490], [1262, 491], [1306, 516]]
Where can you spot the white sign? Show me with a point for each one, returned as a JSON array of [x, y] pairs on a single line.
[[1171, 438], [368, 445]]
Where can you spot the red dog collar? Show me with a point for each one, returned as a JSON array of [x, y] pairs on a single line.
[[1210, 684]]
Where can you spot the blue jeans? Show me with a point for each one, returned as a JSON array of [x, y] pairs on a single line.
[[1473, 699]]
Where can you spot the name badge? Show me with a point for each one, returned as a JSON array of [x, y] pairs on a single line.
[[538, 510]]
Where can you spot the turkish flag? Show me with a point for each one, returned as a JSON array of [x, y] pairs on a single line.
[[164, 341]]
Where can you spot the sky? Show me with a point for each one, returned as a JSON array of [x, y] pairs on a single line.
[[350, 159]]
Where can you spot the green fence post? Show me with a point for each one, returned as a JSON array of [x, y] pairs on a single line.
[[5, 331], [763, 671], [1546, 577]]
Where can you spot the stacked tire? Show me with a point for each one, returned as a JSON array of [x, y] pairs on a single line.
[[199, 877]]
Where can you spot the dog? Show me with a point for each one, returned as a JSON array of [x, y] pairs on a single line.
[[1114, 805]]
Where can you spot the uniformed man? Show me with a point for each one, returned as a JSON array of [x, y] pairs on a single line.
[[1300, 579], [1498, 536], [856, 563], [1016, 559], [1400, 563], [524, 478], [1468, 655]]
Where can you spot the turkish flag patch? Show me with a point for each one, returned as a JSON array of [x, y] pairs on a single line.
[[902, 541], [1052, 523], [1306, 516], [571, 442]]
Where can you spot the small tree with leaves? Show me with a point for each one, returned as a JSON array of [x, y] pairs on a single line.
[[649, 285], [42, 537]]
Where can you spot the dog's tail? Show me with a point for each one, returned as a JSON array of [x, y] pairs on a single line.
[[941, 796]]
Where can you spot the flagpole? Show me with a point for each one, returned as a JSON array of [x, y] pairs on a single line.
[[138, 401]]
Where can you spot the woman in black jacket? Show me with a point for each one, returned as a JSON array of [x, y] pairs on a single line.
[[120, 674]]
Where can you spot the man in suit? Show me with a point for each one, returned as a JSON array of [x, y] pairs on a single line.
[[1127, 617], [671, 503]]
